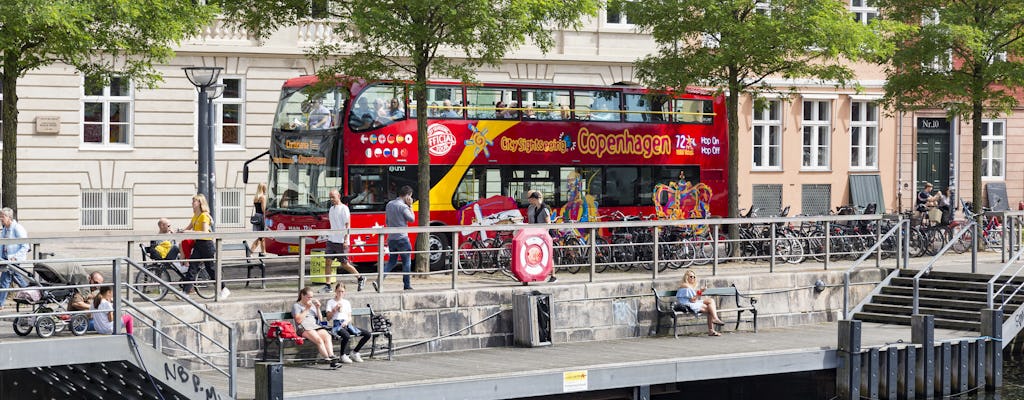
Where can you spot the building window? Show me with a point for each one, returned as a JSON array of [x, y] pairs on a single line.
[[993, 149], [615, 13], [106, 209], [864, 135], [230, 208], [816, 129], [863, 10], [107, 112], [768, 136], [229, 111]]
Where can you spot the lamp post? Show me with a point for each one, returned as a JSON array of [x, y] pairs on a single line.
[[203, 78], [213, 92]]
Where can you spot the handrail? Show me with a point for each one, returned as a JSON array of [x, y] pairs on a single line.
[[230, 348], [972, 225], [990, 285], [846, 275]]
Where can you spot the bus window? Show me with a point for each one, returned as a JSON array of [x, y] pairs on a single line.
[[442, 102], [589, 103], [469, 187], [545, 104], [366, 187], [493, 183], [620, 187], [637, 108], [491, 103], [377, 106], [688, 111], [522, 180], [577, 182], [306, 109]]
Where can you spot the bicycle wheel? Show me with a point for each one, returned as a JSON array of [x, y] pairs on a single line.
[[994, 237], [469, 257], [489, 255], [622, 253], [505, 258], [205, 290], [148, 287], [934, 240], [603, 256], [796, 252], [577, 254]]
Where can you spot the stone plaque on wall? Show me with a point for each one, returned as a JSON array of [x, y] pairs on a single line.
[[48, 124]]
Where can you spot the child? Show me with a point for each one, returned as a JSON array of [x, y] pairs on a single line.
[[103, 318]]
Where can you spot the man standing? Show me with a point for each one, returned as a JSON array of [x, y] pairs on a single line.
[[11, 252], [337, 242], [399, 214]]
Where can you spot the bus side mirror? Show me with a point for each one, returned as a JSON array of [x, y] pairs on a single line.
[[245, 174]]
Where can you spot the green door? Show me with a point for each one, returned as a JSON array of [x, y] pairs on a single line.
[[933, 158]]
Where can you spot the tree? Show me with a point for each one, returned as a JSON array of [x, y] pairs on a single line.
[[417, 39], [952, 55], [735, 45], [100, 38]]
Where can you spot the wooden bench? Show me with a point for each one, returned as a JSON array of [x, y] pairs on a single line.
[[665, 301], [248, 262], [378, 326]]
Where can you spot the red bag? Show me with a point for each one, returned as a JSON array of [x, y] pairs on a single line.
[[287, 331], [186, 248]]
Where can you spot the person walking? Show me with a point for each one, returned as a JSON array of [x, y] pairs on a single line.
[[259, 206], [203, 249], [398, 213], [11, 252], [337, 242]]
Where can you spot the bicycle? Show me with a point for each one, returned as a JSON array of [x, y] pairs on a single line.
[[156, 290]]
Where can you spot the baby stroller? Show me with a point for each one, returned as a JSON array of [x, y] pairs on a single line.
[[40, 299]]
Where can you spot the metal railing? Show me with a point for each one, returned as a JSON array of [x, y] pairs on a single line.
[[970, 227], [896, 230]]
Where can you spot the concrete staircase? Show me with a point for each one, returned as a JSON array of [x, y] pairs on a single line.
[[954, 298]]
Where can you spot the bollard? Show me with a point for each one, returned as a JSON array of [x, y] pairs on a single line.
[[889, 381], [992, 326], [944, 368], [922, 332], [848, 371], [959, 378], [870, 374], [269, 381]]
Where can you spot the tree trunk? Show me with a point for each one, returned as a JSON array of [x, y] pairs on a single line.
[[732, 106], [977, 112], [423, 180], [10, 131]]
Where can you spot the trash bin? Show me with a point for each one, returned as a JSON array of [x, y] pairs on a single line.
[[318, 266], [531, 313]]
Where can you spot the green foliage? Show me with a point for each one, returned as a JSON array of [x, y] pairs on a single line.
[[710, 42], [953, 61], [97, 37]]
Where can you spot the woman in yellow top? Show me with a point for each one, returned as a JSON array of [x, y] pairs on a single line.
[[203, 248]]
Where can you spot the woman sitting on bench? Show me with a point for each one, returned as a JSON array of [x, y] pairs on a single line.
[[688, 296], [306, 312]]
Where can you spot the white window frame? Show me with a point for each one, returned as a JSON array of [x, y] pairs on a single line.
[[218, 109], [623, 19], [811, 131], [866, 129], [231, 215], [763, 7], [762, 119], [106, 207], [865, 11], [993, 131], [106, 99]]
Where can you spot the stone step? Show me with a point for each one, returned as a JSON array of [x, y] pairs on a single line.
[[940, 303], [938, 312], [905, 320], [940, 284], [945, 294], [957, 276]]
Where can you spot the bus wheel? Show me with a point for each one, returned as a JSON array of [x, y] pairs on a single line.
[[440, 251]]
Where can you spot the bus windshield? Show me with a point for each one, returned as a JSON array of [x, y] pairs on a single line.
[[308, 109]]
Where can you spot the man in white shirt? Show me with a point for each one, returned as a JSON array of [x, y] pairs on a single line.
[[337, 241]]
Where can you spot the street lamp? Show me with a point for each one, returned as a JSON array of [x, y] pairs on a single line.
[[203, 78], [213, 92]]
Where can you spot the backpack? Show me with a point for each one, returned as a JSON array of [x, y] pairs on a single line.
[[286, 329]]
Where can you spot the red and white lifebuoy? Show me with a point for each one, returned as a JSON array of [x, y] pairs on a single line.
[[532, 255]]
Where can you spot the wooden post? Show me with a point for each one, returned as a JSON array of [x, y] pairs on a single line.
[[870, 374], [922, 332], [905, 379], [848, 371]]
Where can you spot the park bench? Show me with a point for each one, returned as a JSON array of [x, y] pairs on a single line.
[[249, 262], [664, 301], [378, 325]]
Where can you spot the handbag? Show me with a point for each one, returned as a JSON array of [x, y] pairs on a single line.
[[256, 219]]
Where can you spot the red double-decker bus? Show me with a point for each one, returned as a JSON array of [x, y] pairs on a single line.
[[590, 149]]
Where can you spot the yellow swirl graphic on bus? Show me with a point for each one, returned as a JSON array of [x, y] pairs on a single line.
[[601, 144]]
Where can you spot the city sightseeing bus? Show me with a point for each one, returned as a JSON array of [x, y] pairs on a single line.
[[590, 151]]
